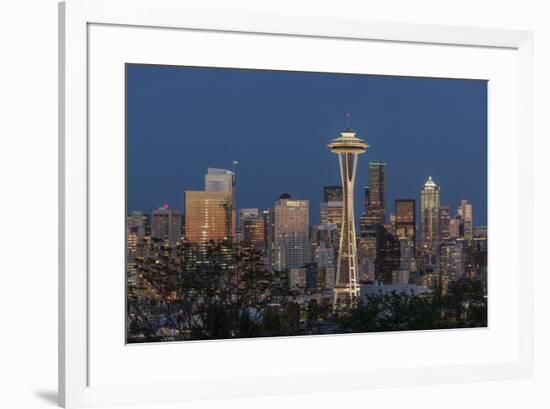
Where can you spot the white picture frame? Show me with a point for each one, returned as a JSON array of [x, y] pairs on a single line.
[[76, 16]]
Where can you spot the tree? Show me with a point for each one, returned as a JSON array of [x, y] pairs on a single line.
[[464, 305], [200, 292]]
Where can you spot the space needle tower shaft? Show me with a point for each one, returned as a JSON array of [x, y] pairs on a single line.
[[348, 147]]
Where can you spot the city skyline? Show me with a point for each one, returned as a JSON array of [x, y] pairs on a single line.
[[391, 208], [406, 173], [312, 245]]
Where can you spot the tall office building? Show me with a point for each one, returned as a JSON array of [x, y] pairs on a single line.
[[348, 147], [367, 196], [444, 222], [166, 224], [466, 213], [474, 255], [247, 213], [376, 206], [451, 265], [331, 213], [326, 233], [388, 256], [324, 240], [454, 227], [367, 251], [267, 217], [332, 205], [208, 216], [219, 180], [332, 194], [290, 233], [222, 180], [406, 263], [137, 219], [251, 224], [429, 216], [135, 234], [364, 220], [405, 219], [391, 225]]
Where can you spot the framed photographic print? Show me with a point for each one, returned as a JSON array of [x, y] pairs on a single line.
[[233, 184]]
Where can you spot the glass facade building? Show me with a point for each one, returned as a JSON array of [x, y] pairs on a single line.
[[444, 222], [166, 224], [466, 213], [222, 180], [451, 264], [405, 219], [429, 216], [376, 206], [290, 235], [208, 216]]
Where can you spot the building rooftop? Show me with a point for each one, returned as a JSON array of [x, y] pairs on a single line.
[[430, 182]]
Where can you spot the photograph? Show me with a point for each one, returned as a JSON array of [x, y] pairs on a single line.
[[267, 203]]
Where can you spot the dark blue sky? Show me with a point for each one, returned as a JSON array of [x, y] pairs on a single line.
[[181, 120]]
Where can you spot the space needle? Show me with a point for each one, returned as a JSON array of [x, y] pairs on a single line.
[[347, 146]]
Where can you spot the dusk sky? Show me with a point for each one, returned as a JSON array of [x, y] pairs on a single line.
[[276, 124]]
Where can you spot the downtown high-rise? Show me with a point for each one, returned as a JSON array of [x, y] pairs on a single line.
[[289, 233], [466, 214], [405, 219], [223, 180], [166, 224], [375, 211], [208, 216], [429, 217], [252, 227]]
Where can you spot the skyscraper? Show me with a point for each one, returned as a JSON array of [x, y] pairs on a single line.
[[444, 222], [367, 250], [332, 205], [290, 235], [331, 213], [166, 224], [364, 221], [208, 216], [429, 216], [367, 196], [325, 241], [376, 206], [451, 264], [347, 146], [405, 219], [219, 180], [135, 234], [329, 234], [252, 227], [388, 256], [222, 180], [466, 213], [454, 227]]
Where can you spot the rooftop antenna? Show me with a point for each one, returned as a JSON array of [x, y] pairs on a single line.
[[348, 121]]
